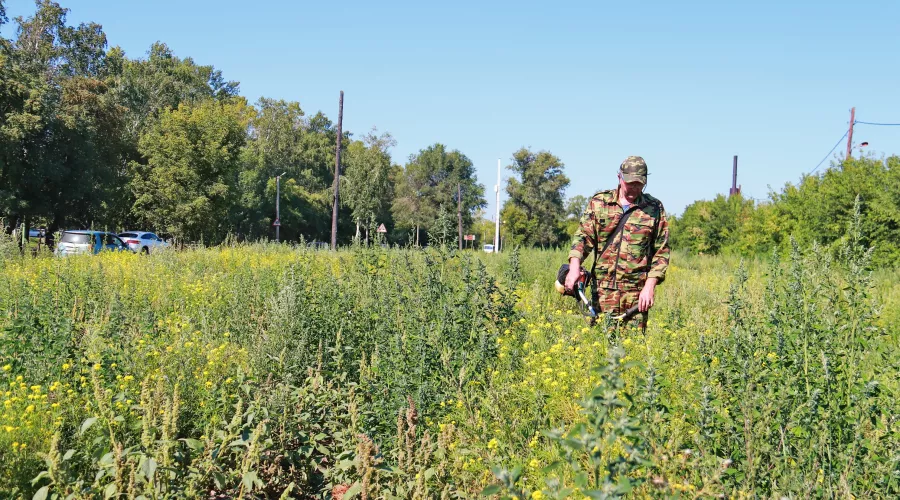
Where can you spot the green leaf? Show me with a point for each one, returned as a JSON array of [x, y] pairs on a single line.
[[515, 474], [68, 455], [194, 444], [287, 491], [249, 479], [551, 467], [110, 490], [87, 424], [41, 475], [352, 491], [581, 480], [148, 467], [491, 490], [41, 494], [624, 487]]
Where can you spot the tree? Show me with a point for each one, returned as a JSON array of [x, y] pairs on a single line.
[[711, 226], [366, 186], [410, 201], [193, 157], [163, 81], [282, 140], [534, 214], [428, 181], [574, 209], [886, 214], [482, 228], [60, 149]]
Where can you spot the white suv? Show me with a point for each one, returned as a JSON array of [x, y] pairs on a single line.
[[142, 241]]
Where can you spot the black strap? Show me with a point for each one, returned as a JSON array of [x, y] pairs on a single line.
[[593, 277], [653, 234], [611, 237]]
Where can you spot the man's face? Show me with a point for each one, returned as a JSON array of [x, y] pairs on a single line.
[[630, 190]]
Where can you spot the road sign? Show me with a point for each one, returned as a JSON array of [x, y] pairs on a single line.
[[469, 237], [381, 229], [277, 223]]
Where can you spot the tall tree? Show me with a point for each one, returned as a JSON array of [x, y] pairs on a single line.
[[366, 184], [429, 181], [60, 153], [163, 81], [283, 140], [535, 213], [708, 226], [574, 208], [193, 157]]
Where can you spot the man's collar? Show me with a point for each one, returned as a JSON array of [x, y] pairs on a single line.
[[639, 202]]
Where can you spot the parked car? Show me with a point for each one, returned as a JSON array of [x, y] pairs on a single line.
[[87, 241], [142, 241], [36, 232], [489, 248]]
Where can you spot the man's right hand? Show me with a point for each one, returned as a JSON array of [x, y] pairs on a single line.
[[574, 273]]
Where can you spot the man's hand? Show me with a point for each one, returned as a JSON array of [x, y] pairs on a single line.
[[574, 273], [645, 300]]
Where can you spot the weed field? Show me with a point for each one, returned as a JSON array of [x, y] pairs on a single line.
[[267, 371]]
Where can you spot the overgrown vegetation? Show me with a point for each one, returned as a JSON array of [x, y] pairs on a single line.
[[266, 371], [817, 209]]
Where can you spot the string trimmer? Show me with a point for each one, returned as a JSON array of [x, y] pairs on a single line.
[[578, 293]]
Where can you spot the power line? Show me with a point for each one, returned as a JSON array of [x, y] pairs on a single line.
[[838, 143], [880, 124]]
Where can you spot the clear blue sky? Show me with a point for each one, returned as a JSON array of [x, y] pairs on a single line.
[[684, 84]]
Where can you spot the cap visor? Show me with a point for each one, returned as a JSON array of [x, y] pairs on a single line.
[[635, 178]]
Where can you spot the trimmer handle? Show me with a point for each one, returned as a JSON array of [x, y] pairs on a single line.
[[627, 315]]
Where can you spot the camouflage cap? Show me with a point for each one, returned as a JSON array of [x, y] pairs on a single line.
[[634, 169]]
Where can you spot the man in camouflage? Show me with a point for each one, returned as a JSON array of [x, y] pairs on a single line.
[[632, 260]]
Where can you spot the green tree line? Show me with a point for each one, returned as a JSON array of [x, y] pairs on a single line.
[[92, 138], [816, 209]]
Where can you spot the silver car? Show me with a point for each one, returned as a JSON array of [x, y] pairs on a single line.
[[142, 241], [87, 241]]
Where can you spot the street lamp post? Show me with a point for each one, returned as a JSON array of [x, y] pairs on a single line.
[[278, 207]]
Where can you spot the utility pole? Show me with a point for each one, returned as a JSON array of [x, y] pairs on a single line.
[[278, 207], [734, 187], [850, 133], [459, 213], [337, 174], [497, 224]]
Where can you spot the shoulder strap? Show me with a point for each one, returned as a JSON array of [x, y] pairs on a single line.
[[611, 237], [653, 234]]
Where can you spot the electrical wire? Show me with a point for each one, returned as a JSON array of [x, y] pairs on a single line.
[[838, 143], [857, 122]]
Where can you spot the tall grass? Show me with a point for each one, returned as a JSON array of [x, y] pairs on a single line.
[[267, 370]]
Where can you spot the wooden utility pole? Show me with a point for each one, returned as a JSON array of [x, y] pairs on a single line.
[[850, 133], [734, 187], [337, 174], [459, 213]]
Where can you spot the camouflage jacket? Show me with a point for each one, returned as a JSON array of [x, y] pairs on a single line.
[[624, 264]]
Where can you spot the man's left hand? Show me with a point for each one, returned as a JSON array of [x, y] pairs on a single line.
[[645, 300]]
